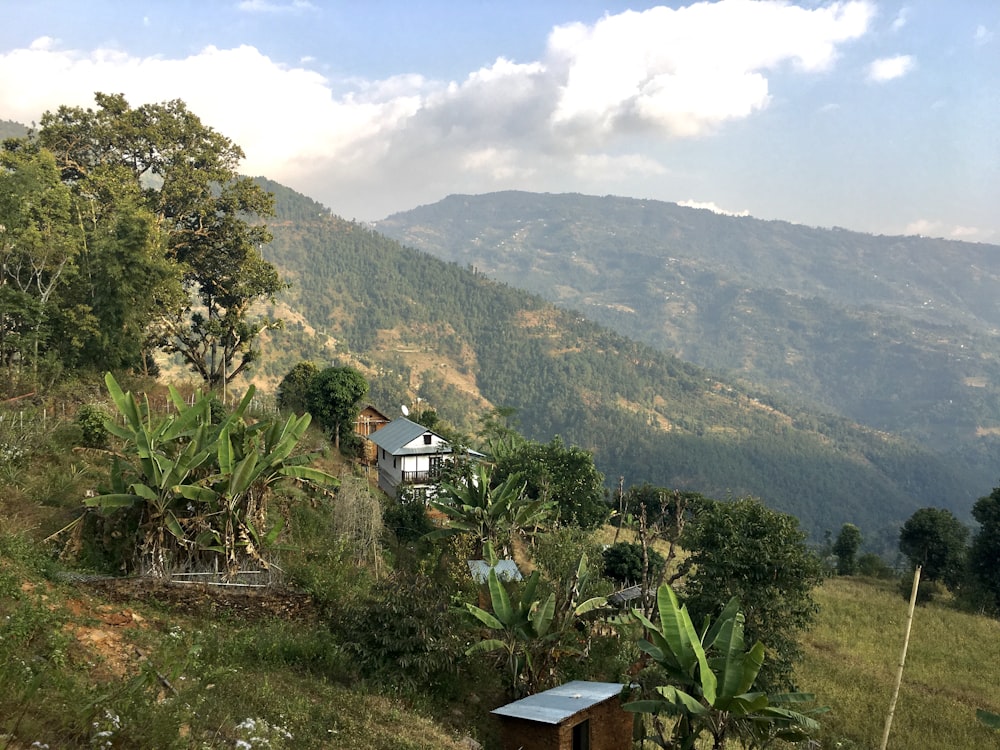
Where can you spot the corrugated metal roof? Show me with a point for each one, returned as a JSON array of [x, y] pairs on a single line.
[[398, 433], [558, 704], [507, 570]]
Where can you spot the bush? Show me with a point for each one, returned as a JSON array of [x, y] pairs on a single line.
[[404, 633], [91, 418], [623, 563]]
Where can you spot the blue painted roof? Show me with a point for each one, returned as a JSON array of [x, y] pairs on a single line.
[[558, 704], [507, 570]]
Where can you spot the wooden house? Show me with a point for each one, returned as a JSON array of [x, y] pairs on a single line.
[[579, 715], [368, 422]]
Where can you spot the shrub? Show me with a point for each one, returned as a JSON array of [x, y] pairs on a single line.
[[91, 418], [623, 563]]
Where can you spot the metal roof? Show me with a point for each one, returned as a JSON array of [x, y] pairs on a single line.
[[507, 570], [401, 431], [558, 704]]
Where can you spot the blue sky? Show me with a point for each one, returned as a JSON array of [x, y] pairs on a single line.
[[870, 115]]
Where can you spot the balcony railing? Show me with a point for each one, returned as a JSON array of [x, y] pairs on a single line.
[[427, 476]]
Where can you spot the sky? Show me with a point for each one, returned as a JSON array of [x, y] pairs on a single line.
[[877, 116]]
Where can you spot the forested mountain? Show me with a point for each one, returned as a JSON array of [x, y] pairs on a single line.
[[11, 129], [899, 333], [423, 327]]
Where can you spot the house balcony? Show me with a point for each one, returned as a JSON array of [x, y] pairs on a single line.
[[426, 476]]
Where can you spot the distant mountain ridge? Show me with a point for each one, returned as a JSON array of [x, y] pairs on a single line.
[[900, 333], [422, 327]]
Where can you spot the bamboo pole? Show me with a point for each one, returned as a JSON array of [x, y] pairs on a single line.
[[902, 659]]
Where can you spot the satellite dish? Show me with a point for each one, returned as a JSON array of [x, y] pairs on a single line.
[[405, 410]]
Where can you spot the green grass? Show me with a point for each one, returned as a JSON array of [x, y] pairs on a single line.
[[852, 656]]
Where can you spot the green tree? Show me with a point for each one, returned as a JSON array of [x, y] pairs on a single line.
[[39, 242], [293, 390], [744, 549], [936, 541], [623, 563], [564, 475], [334, 399], [163, 159], [984, 553], [710, 683], [846, 549]]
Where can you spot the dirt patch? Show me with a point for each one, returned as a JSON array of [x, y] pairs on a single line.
[[244, 603]]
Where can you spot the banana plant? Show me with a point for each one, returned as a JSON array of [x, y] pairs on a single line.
[[710, 677], [529, 633], [490, 514], [201, 488]]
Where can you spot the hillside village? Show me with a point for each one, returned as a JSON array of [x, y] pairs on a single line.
[[595, 549]]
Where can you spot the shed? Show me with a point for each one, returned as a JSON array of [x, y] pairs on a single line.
[[579, 715]]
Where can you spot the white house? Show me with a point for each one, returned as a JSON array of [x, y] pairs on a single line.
[[410, 455]]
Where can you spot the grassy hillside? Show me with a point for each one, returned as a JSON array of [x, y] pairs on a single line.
[[852, 655], [899, 333], [420, 327]]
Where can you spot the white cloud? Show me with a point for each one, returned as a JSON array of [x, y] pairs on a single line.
[[982, 36], [711, 206], [942, 230], [900, 20], [890, 68], [660, 74], [683, 72]]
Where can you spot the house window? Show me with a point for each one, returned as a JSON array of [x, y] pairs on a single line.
[[581, 735], [435, 467], [394, 462], [427, 439]]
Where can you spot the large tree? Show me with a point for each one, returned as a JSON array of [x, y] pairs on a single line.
[[334, 399], [984, 554], [555, 472], [935, 540], [161, 161], [846, 549], [39, 242], [744, 549]]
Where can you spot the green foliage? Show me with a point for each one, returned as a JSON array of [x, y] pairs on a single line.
[[623, 563], [492, 513], [871, 565], [935, 540], [408, 521], [334, 399], [564, 476], [403, 633], [846, 549], [532, 632], [90, 418], [111, 217], [293, 390], [710, 683], [199, 491], [745, 550], [984, 554]]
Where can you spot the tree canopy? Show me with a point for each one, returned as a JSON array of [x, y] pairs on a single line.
[[935, 540], [130, 229], [746, 550], [564, 475]]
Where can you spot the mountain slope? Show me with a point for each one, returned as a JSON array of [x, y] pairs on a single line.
[[423, 327], [900, 333]]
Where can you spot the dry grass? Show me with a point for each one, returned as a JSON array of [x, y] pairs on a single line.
[[852, 655]]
